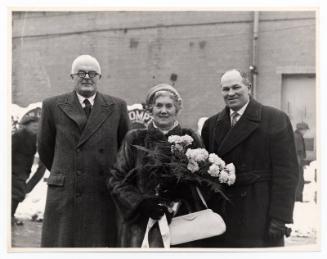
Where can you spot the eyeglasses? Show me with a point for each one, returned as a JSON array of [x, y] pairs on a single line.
[[82, 74]]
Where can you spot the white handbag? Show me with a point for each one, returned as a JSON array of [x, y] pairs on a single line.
[[190, 227], [195, 226]]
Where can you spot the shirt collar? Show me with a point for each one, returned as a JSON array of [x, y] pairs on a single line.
[[240, 111], [82, 98]]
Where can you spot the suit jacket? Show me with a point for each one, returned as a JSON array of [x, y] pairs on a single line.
[[261, 146], [79, 153]]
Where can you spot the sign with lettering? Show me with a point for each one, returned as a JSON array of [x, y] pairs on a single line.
[[139, 117]]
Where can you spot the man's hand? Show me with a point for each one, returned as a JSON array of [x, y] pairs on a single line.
[[277, 230]]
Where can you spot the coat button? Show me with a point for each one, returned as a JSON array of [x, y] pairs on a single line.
[[78, 172], [78, 194], [78, 150], [101, 150]]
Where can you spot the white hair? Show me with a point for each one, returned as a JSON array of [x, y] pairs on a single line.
[[85, 59]]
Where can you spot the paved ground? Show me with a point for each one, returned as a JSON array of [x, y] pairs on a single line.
[[28, 235]]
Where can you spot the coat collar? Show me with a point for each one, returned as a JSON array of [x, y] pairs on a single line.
[[71, 107], [177, 130], [226, 137], [101, 110]]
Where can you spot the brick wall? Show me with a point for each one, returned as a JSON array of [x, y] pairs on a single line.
[[136, 50]]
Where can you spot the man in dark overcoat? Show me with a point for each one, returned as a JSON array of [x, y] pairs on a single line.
[[23, 150], [301, 129], [259, 141], [80, 134]]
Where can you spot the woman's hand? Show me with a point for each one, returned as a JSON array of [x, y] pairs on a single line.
[[153, 207], [171, 211]]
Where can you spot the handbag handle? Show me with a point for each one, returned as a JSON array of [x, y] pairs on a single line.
[[201, 197]]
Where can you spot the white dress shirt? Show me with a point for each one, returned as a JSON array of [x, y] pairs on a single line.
[[239, 112], [82, 98]]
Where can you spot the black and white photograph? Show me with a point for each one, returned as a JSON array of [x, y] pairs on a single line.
[[163, 129]]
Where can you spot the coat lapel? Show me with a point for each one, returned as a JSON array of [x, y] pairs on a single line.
[[243, 128], [101, 110], [73, 109], [221, 129]]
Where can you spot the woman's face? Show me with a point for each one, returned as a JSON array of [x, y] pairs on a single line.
[[164, 112]]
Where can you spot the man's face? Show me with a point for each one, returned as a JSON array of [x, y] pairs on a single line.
[[164, 112], [85, 86], [32, 127], [235, 93]]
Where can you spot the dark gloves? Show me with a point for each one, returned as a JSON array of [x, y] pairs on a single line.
[[277, 230], [168, 190], [152, 207]]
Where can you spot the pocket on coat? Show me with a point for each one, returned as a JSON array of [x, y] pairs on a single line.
[[56, 180]]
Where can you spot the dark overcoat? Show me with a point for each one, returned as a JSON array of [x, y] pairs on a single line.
[[79, 153], [261, 146], [301, 155], [130, 184], [23, 152]]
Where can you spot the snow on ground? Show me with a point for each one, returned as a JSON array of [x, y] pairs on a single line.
[[306, 213], [34, 203]]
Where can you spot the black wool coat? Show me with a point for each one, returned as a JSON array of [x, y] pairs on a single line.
[[261, 146], [78, 153]]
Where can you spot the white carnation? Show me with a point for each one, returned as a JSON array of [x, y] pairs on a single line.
[[193, 166], [187, 140], [214, 159], [190, 154], [198, 154], [224, 176], [231, 168], [214, 170], [174, 139], [232, 178]]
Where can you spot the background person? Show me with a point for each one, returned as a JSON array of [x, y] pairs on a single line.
[[23, 153], [301, 129]]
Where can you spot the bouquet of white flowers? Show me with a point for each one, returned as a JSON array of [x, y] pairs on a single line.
[[177, 161]]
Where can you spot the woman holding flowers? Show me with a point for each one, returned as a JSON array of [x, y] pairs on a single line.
[[143, 182]]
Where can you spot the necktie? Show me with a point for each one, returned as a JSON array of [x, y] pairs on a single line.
[[87, 107], [234, 118]]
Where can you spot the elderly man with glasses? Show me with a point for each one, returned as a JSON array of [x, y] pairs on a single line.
[[80, 134]]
